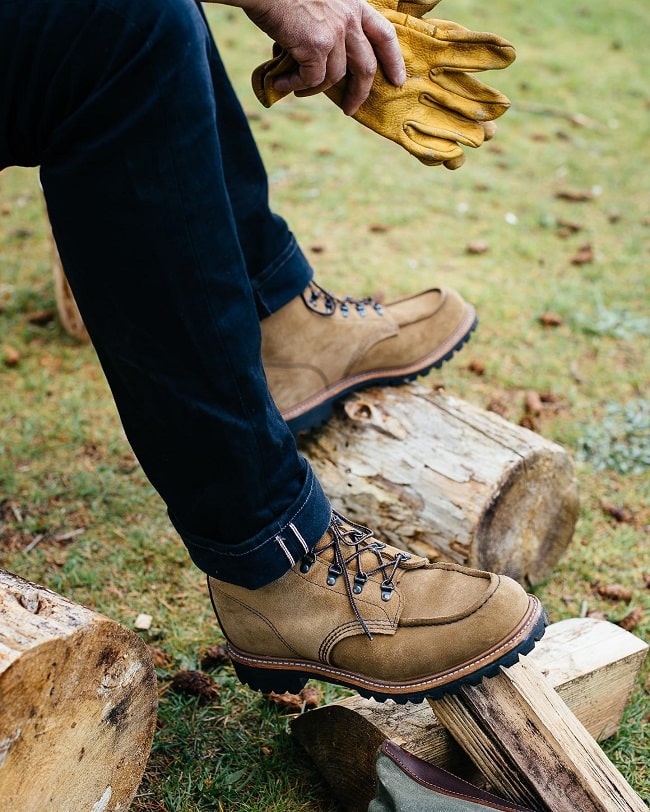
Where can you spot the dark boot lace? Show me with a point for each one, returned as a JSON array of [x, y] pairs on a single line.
[[318, 296], [350, 543]]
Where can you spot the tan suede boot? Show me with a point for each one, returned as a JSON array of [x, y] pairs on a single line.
[[367, 616], [318, 347]]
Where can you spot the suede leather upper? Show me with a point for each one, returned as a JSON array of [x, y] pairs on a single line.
[[311, 354], [438, 617]]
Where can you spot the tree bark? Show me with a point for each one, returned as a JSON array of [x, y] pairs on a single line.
[[442, 478], [78, 702]]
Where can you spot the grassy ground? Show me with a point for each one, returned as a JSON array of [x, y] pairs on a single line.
[[557, 205]]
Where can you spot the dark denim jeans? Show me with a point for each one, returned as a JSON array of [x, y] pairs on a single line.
[[158, 201]]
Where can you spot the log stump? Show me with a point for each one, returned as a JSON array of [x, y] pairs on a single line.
[[444, 479], [78, 702]]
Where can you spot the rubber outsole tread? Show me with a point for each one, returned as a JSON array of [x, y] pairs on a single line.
[[292, 681], [320, 414]]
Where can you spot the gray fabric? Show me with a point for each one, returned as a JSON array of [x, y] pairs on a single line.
[[397, 792]]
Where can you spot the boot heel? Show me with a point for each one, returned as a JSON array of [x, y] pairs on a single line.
[[267, 680]]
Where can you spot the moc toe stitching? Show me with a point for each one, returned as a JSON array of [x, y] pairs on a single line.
[[491, 589], [352, 629]]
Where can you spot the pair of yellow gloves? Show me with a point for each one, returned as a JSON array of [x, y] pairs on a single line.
[[442, 107]]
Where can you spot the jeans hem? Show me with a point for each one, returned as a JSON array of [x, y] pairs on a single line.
[[282, 280], [270, 554]]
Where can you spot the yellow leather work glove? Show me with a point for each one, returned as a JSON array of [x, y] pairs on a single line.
[[440, 108], [416, 8]]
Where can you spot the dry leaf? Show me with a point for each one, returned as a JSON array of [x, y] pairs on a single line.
[[532, 403], [574, 196], [549, 397], [621, 514], [160, 657], [614, 592], [378, 228], [310, 696], [528, 422], [498, 407], [477, 247], [597, 614], [477, 367], [317, 248], [11, 357], [569, 225], [289, 702], [584, 256], [549, 319], [195, 683], [214, 657], [41, 317], [300, 115], [632, 619]]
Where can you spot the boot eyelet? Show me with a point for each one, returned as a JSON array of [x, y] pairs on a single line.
[[387, 591], [359, 582], [307, 562], [332, 574]]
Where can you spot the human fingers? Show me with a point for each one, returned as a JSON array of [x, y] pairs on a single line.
[[381, 35], [361, 70]]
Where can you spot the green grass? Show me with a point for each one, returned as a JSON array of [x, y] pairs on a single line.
[[579, 123]]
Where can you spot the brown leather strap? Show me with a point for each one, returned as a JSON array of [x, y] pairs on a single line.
[[439, 780]]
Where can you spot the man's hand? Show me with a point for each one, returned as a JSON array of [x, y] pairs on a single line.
[[330, 40]]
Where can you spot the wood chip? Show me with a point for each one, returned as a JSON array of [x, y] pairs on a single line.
[[143, 622]]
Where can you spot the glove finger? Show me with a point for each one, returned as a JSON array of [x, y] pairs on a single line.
[[466, 95], [427, 148], [454, 163], [448, 46], [438, 122], [490, 129], [265, 74]]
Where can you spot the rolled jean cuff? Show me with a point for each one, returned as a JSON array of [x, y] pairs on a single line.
[[282, 280], [268, 556]]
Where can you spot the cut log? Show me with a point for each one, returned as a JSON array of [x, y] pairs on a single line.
[[532, 748], [447, 480], [591, 664], [78, 701]]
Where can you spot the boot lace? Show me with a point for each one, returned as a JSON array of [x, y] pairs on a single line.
[[354, 548], [330, 302]]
